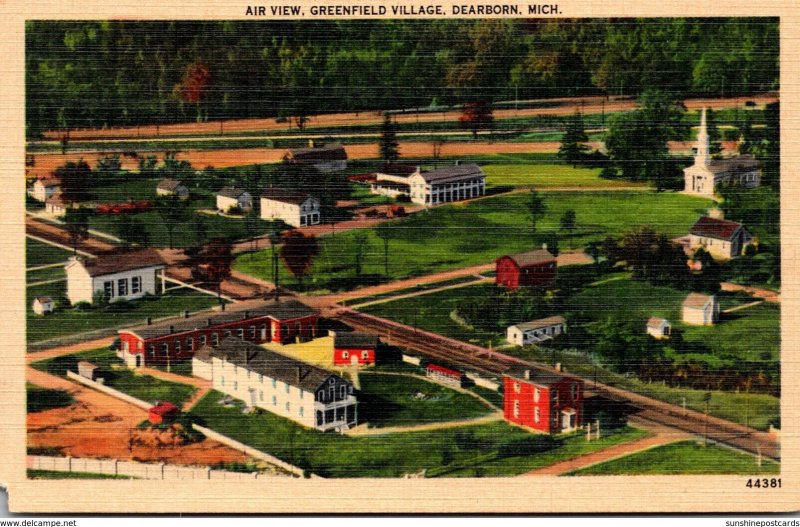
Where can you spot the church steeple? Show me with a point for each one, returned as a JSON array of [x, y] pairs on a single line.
[[702, 157]]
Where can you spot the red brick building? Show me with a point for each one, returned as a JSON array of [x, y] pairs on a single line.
[[550, 403], [531, 269], [173, 340], [165, 412], [354, 347]]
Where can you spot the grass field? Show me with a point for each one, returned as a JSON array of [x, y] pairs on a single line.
[[55, 474], [685, 457], [119, 377], [547, 175], [393, 400], [66, 320], [38, 253], [463, 234], [463, 451]]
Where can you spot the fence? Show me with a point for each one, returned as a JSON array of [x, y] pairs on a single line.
[[137, 470], [110, 391]]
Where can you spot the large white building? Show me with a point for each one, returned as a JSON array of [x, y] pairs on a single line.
[[294, 208], [706, 175], [120, 276], [722, 239], [443, 185], [536, 331], [262, 378], [230, 197]]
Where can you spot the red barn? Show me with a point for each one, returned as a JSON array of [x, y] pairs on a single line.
[[354, 347], [531, 269], [162, 413], [276, 321], [547, 402]]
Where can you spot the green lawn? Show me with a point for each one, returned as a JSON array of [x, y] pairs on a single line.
[[685, 457], [38, 253], [66, 321], [463, 234], [40, 399], [752, 334], [547, 175], [119, 377], [471, 448], [55, 474], [393, 400]]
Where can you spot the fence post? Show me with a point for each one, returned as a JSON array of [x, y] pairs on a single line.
[[69, 463], [597, 422], [162, 470]]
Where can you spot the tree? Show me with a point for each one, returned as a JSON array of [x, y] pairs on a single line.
[[75, 180], [298, 252], [76, 223], [383, 231], [173, 212], [568, 224], [108, 167], [476, 116], [251, 224], [573, 148], [593, 251], [549, 239], [359, 245], [653, 257], [199, 228], [194, 86], [132, 232], [212, 262], [714, 137], [388, 146], [536, 208]]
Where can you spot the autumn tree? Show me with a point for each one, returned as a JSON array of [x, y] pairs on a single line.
[[75, 180], [193, 87], [298, 252], [476, 116], [211, 262]]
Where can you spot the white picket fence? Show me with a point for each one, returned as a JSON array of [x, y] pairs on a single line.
[[137, 470]]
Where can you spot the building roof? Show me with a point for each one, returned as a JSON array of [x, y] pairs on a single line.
[[285, 309], [285, 196], [119, 262], [540, 377], [203, 354], [537, 256], [355, 339], [170, 185], [714, 228], [328, 152], [541, 323], [272, 364], [163, 408], [87, 364], [56, 199], [50, 181], [43, 299], [740, 163], [398, 169], [656, 322], [443, 369], [452, 173], [231, 192], [697, 300]]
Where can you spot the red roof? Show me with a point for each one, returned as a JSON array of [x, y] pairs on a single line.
[[442, 369], [714, 228], [163, 409]]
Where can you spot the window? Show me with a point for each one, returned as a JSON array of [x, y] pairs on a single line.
[[342, 391], [288, 406], [301, 411], [574, 391], [235, 385], [165, 349], [122, 286], [261, 395], [517, 387], [536, 395], [251, 332], [536, 415], [516, 408], [274, 401], [227, 333], [287, 387], [364, 355], [202, 340], [152, 349], [136, 284], [177, 345], [302, 393], [214, 339], [260, 378], [345, 354], [274, 383], [139, 345], [240, 333], [222, 381], [108, 289], [125, 346]]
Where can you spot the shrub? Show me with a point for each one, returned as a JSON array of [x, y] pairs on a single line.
[[83, 306], [100, 298], [527, 446], [234, 209]]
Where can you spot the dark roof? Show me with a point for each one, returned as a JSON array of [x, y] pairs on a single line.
[[230, 192], [452, 173], [203, 354], [56, 199], [329, 152], [534, 257], [286, 309], [714, 228], [43, 299], [119, 262], [355, 339], [50, 181], [398, 169], [285, 196], [272, 364], [542, 323], [542, 378], [733, 164], [168, 184]]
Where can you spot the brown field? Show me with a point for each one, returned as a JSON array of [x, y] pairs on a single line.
[[565, 106]]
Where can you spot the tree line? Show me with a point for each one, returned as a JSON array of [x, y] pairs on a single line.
[[115, 73]]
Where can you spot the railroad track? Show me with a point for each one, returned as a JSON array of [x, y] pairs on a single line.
[[483, 360]]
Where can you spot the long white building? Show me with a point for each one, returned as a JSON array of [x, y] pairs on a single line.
[[294, 208], [434, 187], [262, 378]]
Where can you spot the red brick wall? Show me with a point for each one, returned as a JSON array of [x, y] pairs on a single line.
[[340, 360], [527, 405]]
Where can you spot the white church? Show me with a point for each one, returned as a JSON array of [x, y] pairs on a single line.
[[706, 175]]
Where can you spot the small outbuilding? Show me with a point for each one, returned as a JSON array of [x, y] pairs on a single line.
[[443, 375], [43, 304], [172, 187], [88, 370], [536, 331], [535, 268], [56, 205], [354, 347], [700, 310], [659, 328], [165, 412]]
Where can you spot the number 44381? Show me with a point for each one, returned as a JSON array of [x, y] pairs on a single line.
[[763, 483]]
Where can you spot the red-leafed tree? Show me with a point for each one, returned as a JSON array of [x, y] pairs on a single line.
[[194, 85], [476, 116], [212, 262], [298, 252]]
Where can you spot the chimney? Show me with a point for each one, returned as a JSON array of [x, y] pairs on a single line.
[[172, 329], [148, 321], [544, 246], [223, 307], [185, 313], [527, 375]]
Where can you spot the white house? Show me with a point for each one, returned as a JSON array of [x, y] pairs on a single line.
[[536, 331], [44, 188], [700, 310], [328, 158], [56, 205], [706, 175], [262, 378], [229, 197], [126, 276], [42, 305], [172, 187], [659, 328], [294, 208], [444, 185], [722, 239]]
